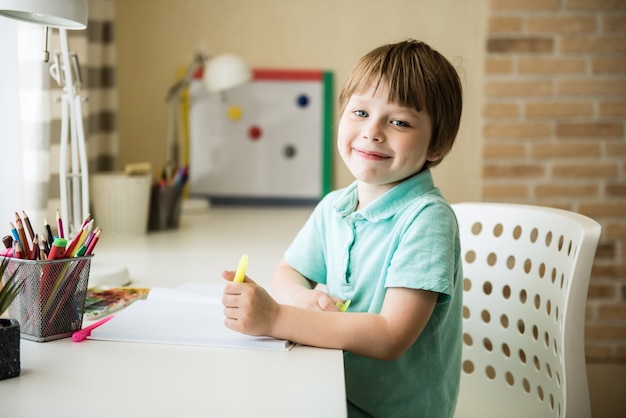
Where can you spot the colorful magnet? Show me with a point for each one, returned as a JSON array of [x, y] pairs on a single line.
[[289, 151], [234, 113], [302, 100], [255, 132]]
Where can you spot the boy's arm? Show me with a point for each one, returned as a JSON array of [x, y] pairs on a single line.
[[251, 310], [292, 288]]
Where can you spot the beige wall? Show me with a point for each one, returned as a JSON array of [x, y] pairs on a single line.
[[155, 38]]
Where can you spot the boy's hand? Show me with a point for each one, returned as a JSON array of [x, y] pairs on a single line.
[[248, 307], [315, 300]]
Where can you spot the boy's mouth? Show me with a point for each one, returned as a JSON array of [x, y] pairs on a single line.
[[370, 155]]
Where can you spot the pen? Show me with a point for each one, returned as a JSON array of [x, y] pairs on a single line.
[[48, 232], [82, 334], [58, 249], [241, 269]]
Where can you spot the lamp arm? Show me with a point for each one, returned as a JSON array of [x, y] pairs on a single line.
[[197, 62], [75, 202]]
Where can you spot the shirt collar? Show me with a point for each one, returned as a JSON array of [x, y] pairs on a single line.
[[387, 204]]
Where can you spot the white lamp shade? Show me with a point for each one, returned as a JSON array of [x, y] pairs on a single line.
[[66, 14], [225, 71]]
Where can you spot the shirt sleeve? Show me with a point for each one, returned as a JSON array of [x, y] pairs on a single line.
[[427, 255], [306, 253]]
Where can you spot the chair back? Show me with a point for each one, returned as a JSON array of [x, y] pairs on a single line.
[[526, 273]]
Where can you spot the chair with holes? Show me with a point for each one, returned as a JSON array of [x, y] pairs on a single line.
[[526, 272]]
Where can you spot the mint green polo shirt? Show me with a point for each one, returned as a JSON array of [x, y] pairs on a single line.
[[407, 237]]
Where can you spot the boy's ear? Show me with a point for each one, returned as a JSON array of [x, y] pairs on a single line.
[[434, 157]]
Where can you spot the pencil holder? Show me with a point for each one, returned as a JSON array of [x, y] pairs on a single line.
[[165, 206], [121, 202], [51, 303]]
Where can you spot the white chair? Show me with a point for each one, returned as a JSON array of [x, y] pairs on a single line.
[[526, 272]]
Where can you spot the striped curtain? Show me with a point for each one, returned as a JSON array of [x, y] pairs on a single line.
[[41, 110]]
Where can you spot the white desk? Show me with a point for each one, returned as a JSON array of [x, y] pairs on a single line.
[[110, 379]]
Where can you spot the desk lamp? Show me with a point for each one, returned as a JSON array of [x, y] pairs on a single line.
[[63, 15], [220, 73]]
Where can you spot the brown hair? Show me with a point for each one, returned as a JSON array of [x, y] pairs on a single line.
[[418, 77]]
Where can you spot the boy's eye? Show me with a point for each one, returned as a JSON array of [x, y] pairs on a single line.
[[400, 123], [361, 113]]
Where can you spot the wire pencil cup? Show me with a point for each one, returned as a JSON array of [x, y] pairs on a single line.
[[52, 301]]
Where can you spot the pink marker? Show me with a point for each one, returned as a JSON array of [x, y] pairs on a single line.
[[82, 334]]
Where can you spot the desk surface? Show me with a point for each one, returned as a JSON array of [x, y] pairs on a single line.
[[100, 378]]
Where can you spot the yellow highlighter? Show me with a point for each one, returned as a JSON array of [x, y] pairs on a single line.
[[343, 306], [241, 269]]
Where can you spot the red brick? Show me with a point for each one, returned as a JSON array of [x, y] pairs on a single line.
[[595, 4], [594, 45], [615, 190], [608, 209], [586, 170], [564, 190], [616, 149], [601, 291], [614, 23], [604, 332], [500, 110], [505, 191], [597, 353], [612, 311], [561, 24], [517, 130], [498, 65], [504, 150], [606, 250], [592, 88], [512, 170], [561, 150], [613, 64], [519, 45], [505, 24], [590, 129], [533, 65], [541, 88], [614, 230], [552, 109], [511, 5], [620, 353], [613, 108]]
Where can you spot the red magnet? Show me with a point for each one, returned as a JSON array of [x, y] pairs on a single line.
[[255, 132]]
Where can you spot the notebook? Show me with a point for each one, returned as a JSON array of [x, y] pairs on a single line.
[[191, 314]]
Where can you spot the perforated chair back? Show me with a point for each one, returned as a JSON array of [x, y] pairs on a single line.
[[526, 273]]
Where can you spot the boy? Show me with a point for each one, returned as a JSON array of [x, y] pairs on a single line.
[[388, 243]]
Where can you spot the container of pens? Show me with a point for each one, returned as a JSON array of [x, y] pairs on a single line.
[[166, 200], [53, 273], [51, 303]]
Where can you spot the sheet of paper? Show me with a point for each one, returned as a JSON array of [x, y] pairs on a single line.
[[183, 316]]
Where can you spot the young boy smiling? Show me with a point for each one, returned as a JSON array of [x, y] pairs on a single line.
[[388, 243]]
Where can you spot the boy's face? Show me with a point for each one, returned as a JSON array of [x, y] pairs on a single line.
[[383, 143]]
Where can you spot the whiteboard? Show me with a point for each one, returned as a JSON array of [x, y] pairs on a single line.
[[267, 141]]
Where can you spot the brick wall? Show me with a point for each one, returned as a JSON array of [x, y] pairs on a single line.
[[555, 132]]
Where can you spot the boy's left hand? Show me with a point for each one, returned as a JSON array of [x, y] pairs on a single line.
[[248, 307]]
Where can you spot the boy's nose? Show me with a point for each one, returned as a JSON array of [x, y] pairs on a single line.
[[373, 131]]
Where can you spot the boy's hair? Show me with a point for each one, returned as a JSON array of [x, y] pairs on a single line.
[[418, 77]]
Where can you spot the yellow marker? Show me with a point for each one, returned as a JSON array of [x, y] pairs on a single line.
[[241, 269], [343, 306]]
